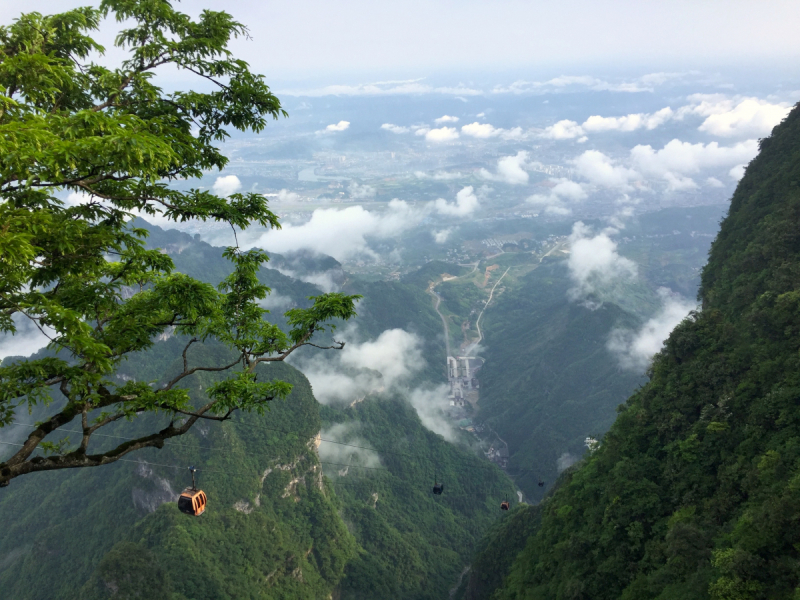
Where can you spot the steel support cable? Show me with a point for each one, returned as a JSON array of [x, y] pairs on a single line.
[[221, 451], [177, 444], [334, 480]]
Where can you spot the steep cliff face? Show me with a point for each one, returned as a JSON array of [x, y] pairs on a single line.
[[695, 490]]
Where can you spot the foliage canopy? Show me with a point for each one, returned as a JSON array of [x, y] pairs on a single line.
[[114, 141]]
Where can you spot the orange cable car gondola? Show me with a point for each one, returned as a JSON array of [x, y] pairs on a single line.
[[192, 501], [504, 505]]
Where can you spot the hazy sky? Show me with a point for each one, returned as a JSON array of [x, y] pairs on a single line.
[[324, 38]]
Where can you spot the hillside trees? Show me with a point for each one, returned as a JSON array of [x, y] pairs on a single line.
[[114, 140]]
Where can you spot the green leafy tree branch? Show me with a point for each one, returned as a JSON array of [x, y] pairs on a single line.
[[80, 272]]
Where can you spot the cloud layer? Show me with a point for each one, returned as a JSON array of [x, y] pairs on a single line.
[[635, 349], [594, 264], [385, 364]]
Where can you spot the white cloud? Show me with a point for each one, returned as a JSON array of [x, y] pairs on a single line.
[[629, 122], [714, 182], [388, 363], [443, 134], [446, 119], [430, 405], [341, 232], [634, 349], [510, 169], [562, 130], [361, 191], [563, 83], [27, 339], [438, 175], [441, 236], [76, 198], [569, 190], [274, 301], [334, 127], [394, 354], [226, 185], [601, 170], [594, 263], [485, 131], [285, 195], [466, 203], [562, 190], [395, 128], [684, 158], [737, 172], [384, 88], [679, 183], [743, 118], [385, 363]]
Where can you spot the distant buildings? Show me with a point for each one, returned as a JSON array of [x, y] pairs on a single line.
[[461, 372]]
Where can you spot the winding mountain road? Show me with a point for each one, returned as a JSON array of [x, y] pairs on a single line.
[[438, 298], [474, 344]]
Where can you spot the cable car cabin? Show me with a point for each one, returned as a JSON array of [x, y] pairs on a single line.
[[504, 505], [541, 483], [192, 502], [438, 488]]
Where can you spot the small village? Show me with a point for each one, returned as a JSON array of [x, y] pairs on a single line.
[[464, 393]]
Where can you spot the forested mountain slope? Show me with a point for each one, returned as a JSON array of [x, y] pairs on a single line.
[[695, 490], [549, 380], [271, 528], [115, 531]]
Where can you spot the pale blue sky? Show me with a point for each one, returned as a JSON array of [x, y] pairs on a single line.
[[320, 38]]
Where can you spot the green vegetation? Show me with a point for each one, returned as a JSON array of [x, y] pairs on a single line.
[[273, 536], [432, 272], [497, 550], [115, 141], [413, 544], [549, 381], [409, 544], [694, 491]]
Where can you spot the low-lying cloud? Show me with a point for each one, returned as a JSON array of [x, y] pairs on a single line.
[[27, 339], [746, 117], [510, 169], [486, 131], [466, 203], [341, 233], [563, 130], [388, 364], [226, 185], [358, 192], [635, 349], [601, 170], [562, 193], [630, 122], [443, 134], [594, 264], [677, 160]]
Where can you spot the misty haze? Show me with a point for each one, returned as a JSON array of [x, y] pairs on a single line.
[[419, 301]]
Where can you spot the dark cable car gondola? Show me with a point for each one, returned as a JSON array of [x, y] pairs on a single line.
[[438, 488], [541, 483], [192, 501]]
